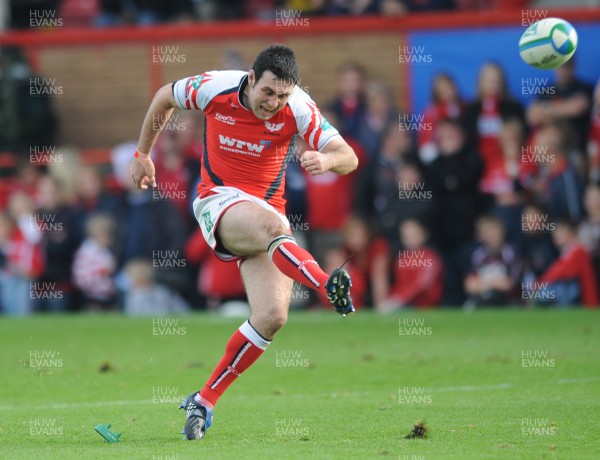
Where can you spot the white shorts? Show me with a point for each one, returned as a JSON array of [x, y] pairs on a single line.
[[208, 212]]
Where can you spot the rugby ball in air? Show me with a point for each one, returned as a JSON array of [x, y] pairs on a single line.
[[548, 43]]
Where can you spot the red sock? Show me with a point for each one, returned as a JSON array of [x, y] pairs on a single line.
[[297, 263], [244, 347]]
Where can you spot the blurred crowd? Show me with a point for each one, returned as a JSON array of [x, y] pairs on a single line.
[[470, 203], [109, 13]]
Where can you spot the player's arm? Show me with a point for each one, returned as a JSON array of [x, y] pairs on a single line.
[[161, 107], [160, 110], [337, 156]]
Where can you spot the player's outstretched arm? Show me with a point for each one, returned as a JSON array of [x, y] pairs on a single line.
[[161, 107], [337, 156]]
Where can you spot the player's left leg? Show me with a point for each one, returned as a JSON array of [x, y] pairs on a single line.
[[268, 292]]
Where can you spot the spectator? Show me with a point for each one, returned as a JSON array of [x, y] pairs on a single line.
[[418, 276], [110, 14], [20, 11], [146, 297], [453, 177], [537, 251], [589, 229], [415, 197], [488, 5], [483, 120], [94, 264], [570, 279], [20, 263], [91, 196], [78, 13], [22, 210], [324, 217], [370, 256], [378, 183], [158, 220], [349, 106], [557, 184], [399, 7], [506, 188], [175, 178], [445, 103], [311, 7], [379, 114], [593, 147], [57, 221], [27, 115], [569, 100], [495, 267], [352, 7]]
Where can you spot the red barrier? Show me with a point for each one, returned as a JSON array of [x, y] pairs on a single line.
[[253, 28]]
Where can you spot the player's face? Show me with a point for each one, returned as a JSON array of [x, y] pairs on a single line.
[[268, 95]]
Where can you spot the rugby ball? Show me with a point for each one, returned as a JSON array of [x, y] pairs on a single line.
[[548, 43]]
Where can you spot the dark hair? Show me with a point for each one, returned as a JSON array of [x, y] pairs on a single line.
[[490, 219], [351, 66], [280, 60], [567, 222], [454, 122], [439, 77]]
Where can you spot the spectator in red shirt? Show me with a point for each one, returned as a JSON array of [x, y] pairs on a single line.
[[21, 261], [418, 276], [483, 120], [446, 103], [589, 229], [571, 279], [506, 194], [325, 217], [174, 184]]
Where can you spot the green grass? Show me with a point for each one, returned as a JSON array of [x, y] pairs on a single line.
[[351, 395]]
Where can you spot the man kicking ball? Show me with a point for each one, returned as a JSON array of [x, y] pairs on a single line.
[[251, 118]]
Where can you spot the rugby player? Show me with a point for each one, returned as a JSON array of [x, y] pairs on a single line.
[[251, 119]]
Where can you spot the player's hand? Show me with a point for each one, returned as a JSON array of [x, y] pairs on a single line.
[[315, 163], [142, 171]]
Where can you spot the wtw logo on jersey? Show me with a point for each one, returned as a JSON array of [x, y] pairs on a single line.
[[273, 127], [246, 148]]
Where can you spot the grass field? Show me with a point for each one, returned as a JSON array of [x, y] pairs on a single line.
[[490, 384]]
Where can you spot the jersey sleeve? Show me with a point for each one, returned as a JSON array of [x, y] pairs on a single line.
[[192, 93], [312, 126]]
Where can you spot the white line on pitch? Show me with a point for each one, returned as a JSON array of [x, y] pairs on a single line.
[[82, 404], [498, 386]]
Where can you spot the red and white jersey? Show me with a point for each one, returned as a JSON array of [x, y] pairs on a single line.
[[241, 150]]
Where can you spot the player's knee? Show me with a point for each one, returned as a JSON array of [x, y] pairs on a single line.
[[269, 324], [278, 321], [275, 227]]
